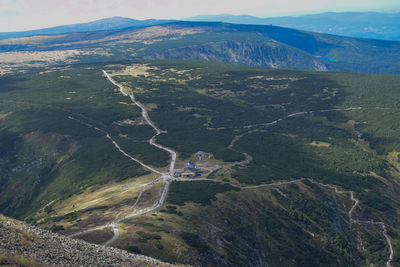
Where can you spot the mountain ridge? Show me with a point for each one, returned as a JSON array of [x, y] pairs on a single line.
[[112, 23], [371, 25], [251, 45]]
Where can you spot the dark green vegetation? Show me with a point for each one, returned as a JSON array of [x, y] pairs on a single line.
[[153, 238], [342, 162], [222, 109], [146, 236], [304, 226], [205, 106], [45, 155], [153, 228], [253, 45], [171, 210], [201, 192], [194, 241]]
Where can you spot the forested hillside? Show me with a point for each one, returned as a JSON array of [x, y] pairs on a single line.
[[305, 169]]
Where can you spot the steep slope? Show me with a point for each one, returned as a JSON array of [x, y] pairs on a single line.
[[24, 245], [251, 53], [373, 25], [253, 45]]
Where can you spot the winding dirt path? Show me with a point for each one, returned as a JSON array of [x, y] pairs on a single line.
[[284, 118], [165, 177], [354, 200], [168, 177], [357, 221], [145, 115]]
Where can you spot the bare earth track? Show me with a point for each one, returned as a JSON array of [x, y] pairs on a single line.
[[166, 178], [360, 222]]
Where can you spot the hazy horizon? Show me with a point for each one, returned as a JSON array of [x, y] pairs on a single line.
[[22, 15]]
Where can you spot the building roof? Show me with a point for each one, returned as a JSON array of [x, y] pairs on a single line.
[[188, 172], [189, 169], [190, 164]]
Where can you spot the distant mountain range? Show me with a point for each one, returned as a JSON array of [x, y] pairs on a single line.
[[371, 25], [114, 23], [252, 45]]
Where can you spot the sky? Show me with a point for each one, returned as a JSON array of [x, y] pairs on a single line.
[[19, 15]]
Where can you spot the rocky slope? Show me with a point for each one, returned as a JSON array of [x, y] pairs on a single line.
[[252, 45], [246, 53], [24, 245]]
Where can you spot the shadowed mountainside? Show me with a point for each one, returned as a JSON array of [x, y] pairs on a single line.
[[374, 25], [252, 45]]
